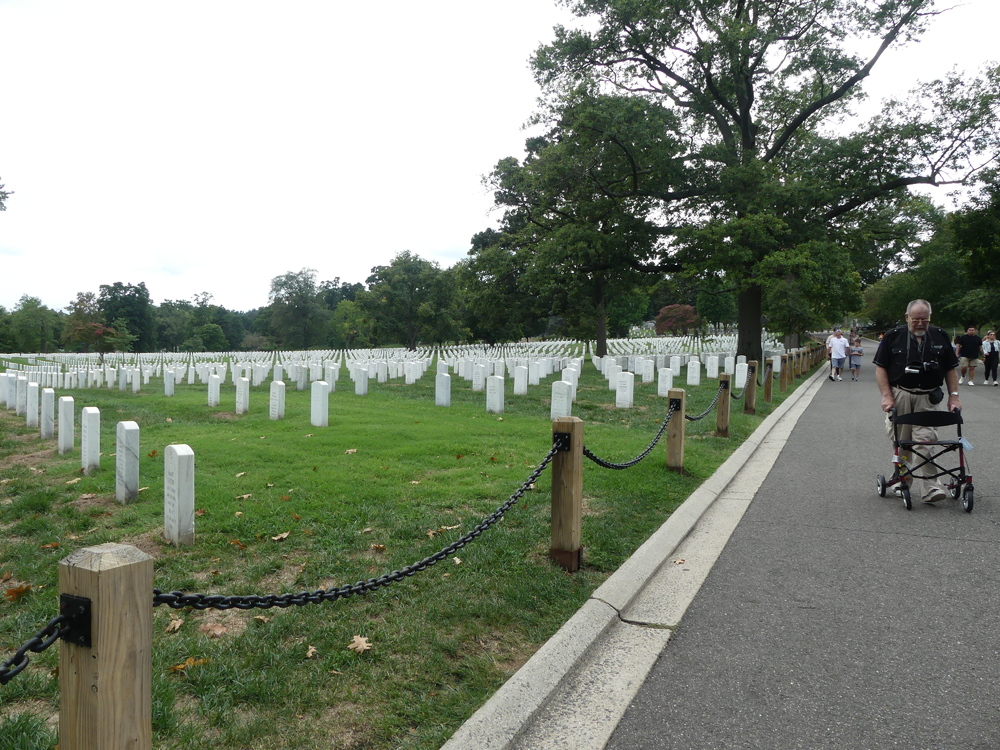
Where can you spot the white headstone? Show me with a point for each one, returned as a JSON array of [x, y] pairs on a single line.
[[242, 395], [694, 372], [614, 370], [664, 381], [320, 404], [168, 382], [562, 399], [712, 367], [48, 420], [214, 385], [126, 462], [360, 381], [21, 408], [31, 406], [442, 389], [624, 393], [178, 494], [66, 427], [276, 408], [90, 439], [729, 365], [494, 394], [740, 380], [478, 377], [520, 381], [648, 370]]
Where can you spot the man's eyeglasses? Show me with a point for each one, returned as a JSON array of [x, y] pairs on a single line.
[[920, 320]]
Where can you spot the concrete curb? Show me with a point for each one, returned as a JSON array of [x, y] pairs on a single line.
[[497, 724]]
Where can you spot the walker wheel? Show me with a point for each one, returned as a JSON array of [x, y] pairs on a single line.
[[880, 485], [967, 499], [956, 490], [907, 503]]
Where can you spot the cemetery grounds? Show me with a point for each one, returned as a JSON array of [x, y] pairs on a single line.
[[282, 506]]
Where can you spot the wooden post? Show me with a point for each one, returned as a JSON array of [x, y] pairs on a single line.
[[722, 408], [768, 382], [105, 689], [785, 372], [750, 392], [567, 496], [675, 430]]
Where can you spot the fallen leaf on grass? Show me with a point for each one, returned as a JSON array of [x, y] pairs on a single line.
[[450, 528], [285, 498], [367, 530], [280, 537], [200, 512], [414, 481], [213, 629], [269, 485], [88, 496], [457, 560], [74, 481], [311, 653], [459, 455], [309, 435], [189, 662], [359, 645], [351, 450], [244, 497], [6, 577], [262, 619], [16, 593], [142, 489], [153, 453], [50, 545], [237, 543], [174, 626], [241, 474], [377, 548], [239, 514]]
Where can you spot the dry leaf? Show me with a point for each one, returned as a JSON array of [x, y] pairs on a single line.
[[315, 468], [50, 545], [153, 453], [213, 629], [457, 560], [679, 561], [359, 645], [450, 528], [499, 419], [74, 481], [459, 455], [311, 653], [241, 474], [174, 626], [142, 489], [367, 531], [377, 548], [414, 481], [269, 485], [261, 618], [431, 533], [309, 435], [88, 496], [280, 537], [200, 512], [169, 420], [296, 517], [16, 593], [351, 450], [237, 543], [6, 577], [189, 662], [334, 671], [285, 498], [244, 497], [239, 514]]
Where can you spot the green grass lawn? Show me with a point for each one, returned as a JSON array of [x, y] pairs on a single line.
[[391, 480]]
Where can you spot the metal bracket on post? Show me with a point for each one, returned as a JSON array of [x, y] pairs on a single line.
[[675, 404], [561, 441], [78, 611]]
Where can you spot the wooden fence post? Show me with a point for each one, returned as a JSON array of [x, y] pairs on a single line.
[[105, 675], [675, 430], [750, 392], [567, 496], [786, 371], [768, 382], [722, 408]]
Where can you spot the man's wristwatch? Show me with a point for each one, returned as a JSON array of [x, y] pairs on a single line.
[[952, 393]]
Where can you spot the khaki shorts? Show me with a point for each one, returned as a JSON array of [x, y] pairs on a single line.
[[966, 362]]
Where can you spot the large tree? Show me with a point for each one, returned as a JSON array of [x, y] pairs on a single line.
[[769, 176], [35, 327], [298, 318], [131, 304]]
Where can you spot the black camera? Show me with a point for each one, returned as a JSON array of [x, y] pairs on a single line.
[[915, 368]]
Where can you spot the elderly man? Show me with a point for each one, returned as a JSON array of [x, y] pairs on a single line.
[[911, 363]]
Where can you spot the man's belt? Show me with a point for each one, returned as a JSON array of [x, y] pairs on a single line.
[[917, 391]]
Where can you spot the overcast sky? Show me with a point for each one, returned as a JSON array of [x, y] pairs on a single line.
[[213, 145]]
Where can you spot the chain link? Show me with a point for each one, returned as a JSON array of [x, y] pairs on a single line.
[[36, 644], [689, 418], [179, 600], [637, 459]]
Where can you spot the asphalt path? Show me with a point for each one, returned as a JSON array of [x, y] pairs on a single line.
[[835, 618]]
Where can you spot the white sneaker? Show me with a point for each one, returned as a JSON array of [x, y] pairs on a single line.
[[839, 378], [971, 383], [961, 380], [994, 382]]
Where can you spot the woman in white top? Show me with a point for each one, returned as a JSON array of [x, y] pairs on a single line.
[[991, 356]]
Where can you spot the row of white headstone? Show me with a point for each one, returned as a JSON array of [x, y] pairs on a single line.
[[39, 408]]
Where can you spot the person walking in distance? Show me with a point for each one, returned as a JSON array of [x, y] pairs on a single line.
[[969, 348], [911, 364], [838, 347], [991, 357], [855, 353]]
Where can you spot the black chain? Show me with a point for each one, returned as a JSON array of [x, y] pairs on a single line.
[[179, 600], [637, 459], [766, 373], [737, 396], [36, 644], [688, 417]]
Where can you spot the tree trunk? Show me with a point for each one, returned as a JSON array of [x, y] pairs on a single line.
[[602, 332], [749, 306]]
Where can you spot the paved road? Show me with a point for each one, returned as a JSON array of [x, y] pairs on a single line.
[[837, 619]]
